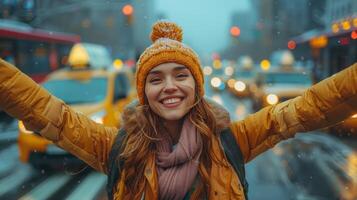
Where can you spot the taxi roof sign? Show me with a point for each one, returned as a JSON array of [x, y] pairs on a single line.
[[78, 57], [89, 55]]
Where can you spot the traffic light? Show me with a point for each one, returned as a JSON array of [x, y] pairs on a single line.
[[291, 44], [235, 31], [354, 35], [128, 11]]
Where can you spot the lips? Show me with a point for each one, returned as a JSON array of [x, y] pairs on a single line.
[[171, 102]]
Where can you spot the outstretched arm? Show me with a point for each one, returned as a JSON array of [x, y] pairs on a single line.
[[324, 104], [41, 112]]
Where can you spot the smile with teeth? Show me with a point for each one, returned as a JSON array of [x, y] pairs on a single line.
[[171, 101]]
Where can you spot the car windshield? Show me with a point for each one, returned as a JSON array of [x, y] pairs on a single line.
[[287, 78], [78, 91]]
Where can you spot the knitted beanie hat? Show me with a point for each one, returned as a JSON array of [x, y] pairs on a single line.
[[167, 47]]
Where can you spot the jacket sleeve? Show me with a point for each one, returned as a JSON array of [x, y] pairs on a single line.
[[324, 104], [41, 112]]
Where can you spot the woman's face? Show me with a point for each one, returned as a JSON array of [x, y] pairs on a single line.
[[170, 90]]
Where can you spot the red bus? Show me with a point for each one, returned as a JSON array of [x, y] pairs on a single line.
[[36, 52]]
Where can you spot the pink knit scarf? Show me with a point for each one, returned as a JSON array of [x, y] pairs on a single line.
[[178, 166]]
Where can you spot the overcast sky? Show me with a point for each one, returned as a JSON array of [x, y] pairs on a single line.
[[205, 23]]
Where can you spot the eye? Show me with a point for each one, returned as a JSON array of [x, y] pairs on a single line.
[[155, 80], [181, 76]]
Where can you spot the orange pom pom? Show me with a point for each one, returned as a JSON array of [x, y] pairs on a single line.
[[164, 29]]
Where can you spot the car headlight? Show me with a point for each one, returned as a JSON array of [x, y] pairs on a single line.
[[98, 117], [229, 71], [231, 83], [240, 86], [216, 82], [272, 99], [354, 116], [207, 70]]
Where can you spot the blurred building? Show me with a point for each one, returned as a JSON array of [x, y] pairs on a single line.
[[341, 31], [265, 24], [245, 20], [334, 46], [243, 37], [145, 16], [339, 10], [279, 20], [125, 33], [17, 10]]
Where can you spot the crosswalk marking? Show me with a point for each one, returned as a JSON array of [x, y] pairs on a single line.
[[89, 187], [44, 190], [21, 174], [9, 136], [9, 158]]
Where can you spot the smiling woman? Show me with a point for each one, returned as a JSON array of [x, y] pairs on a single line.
[[171, 143], [169, 90]]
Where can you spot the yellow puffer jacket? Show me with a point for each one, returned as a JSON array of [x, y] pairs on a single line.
[[324, 104]]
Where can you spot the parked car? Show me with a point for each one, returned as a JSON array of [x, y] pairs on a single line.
[[277, 86], [347, 127]]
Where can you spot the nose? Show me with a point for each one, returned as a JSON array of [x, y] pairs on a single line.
[[170, 86]]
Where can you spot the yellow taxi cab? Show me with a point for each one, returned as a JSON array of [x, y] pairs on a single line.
[[89, 85], [346, 128], [278, 85]]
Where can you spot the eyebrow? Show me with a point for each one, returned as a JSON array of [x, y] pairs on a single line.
[[178, 68]]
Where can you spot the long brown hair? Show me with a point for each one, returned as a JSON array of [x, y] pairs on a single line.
[[142, 126]]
